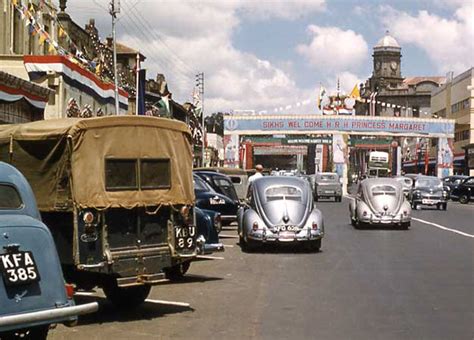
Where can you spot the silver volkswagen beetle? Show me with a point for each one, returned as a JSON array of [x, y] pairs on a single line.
[[280, 210], [380, 201]]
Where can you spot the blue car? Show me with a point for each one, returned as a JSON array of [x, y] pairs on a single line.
[[209, 199], [33, 294]]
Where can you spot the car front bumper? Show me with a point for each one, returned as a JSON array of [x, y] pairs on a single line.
[[385, 220], [53, 315], [328, 193], [304, 235]]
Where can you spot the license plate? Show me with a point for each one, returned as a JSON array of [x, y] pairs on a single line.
[[286, 236], [18, 268], [329, 191], [185, 237], [427, 201]]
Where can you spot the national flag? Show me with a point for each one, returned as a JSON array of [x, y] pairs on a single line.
[[141, 92], [51, 48], [355, 92], [61, 31]]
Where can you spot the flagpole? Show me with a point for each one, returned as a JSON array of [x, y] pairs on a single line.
[[113, 13], [137, 91]]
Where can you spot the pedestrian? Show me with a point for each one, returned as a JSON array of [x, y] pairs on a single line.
[[257, 174]]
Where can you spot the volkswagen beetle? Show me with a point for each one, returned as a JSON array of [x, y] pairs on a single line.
[[280, 210], [33, 293], [380, 201]]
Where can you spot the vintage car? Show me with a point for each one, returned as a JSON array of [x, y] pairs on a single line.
[[407, 184], [209, 199], [428, 190], [327, 185], [115, 195], [378, 202], [209, 225], [33, 294], [451, 183], [280, 210], [238, 177], [465, 191], [220, 183]]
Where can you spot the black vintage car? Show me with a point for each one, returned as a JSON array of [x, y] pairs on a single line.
[[452, 182], [209, 199], [221, 183], [428, 190], [465, 190]]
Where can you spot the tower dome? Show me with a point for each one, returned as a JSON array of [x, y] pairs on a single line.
[[387, 43]]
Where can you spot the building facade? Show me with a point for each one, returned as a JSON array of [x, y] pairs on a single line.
[[455, 100]]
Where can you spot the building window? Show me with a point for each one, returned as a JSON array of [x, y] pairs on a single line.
[[461, 135], [464, 104]]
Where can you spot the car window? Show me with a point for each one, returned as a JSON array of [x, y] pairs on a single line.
[[428, 182], [9, 197], [328, 178], [200, 185], [383, 190], [470, 181], [236, 180], [283, 192]]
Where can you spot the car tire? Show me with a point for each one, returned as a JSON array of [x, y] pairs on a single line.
[[406, 225], [316, 246], [125, 297], [247, 245], [444, 206], [464, 199], [316, 198], [177, 272], [339, 199]]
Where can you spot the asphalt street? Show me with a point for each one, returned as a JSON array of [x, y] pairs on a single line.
[[364, 284]]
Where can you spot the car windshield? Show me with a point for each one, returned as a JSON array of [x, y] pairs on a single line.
[[428, 182], [384, 190], [200, 185], [9, 197], [328, 178], [283, 192]]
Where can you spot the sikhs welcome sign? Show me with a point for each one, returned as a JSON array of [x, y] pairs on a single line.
[[362, 125]]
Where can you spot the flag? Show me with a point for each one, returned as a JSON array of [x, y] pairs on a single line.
[[355, 92], [41, 39], [14, 2], [61, 31], [322, 94], [51, 48]]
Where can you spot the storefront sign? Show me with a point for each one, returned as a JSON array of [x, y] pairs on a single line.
[[321, 140]]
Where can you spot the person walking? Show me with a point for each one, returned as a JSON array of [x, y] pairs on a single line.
[[257, 174]]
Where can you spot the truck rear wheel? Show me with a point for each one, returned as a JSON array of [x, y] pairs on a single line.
[[177, 272], [125, 297]]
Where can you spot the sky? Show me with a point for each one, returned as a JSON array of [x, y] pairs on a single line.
[[274, 55]]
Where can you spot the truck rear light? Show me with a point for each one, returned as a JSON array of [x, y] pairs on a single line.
[[69, 290], [255, 226], [88, 217]]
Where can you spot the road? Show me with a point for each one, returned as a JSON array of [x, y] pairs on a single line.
[[364, 284]]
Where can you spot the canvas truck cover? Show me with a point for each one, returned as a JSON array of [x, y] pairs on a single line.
[[66, 158]]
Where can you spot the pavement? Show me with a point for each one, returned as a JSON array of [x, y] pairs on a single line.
[[364, 284]]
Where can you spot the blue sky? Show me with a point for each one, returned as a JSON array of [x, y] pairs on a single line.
[[266, 54]]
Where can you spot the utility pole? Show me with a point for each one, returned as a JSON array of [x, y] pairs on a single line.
[[114, 10], [200, 86]]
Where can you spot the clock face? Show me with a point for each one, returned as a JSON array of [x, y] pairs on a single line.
[[393, 65]]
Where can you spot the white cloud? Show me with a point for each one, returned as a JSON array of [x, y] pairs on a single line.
[[334, 50], [448, 42], [181, 38]]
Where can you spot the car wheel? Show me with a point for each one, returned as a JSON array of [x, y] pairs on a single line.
[[405, 225], [444, 206], [247, 245], [125, 297], [464, 199], [177, 272], [414, 206], [316, 198], [339, 199], [315, 246]]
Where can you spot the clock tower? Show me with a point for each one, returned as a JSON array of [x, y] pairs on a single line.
[[387, 64]]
